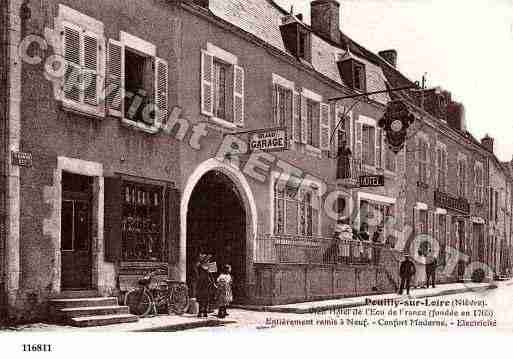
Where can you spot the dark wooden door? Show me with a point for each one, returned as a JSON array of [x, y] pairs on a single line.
[[76, 254]]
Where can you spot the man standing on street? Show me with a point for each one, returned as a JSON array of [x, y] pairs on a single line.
[[431, 263], [406, 272]]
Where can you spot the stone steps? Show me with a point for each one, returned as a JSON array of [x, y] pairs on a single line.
[[90, 311], [97, 320]]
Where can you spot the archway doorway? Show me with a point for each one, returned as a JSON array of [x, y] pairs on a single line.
[[216, 224]]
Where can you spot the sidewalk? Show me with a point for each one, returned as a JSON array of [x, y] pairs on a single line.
[[320, 306], [164, 323]]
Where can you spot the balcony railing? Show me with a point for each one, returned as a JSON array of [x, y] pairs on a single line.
[[316, 250], [349, 170]]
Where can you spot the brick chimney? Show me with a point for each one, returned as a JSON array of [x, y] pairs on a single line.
[[325, 19], [389, 56], [487, 143]]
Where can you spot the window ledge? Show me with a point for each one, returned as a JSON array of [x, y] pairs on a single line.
[[82, 109], [221, 122], [140, 126]]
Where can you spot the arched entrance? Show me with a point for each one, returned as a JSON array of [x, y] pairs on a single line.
[[216, 224]]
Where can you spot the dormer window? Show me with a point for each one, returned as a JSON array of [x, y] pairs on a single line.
[[353, 74], [359, 77], [296, 39]]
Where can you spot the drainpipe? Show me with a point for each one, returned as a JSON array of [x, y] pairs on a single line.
[[12, 143]]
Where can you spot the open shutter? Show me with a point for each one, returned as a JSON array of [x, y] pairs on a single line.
[[207, 83], [276, 118], [289, 113], [115, 78], [238, 95], [72, 52], [304, 120], [162, 91], [324, 127], [359, 142], [112, 218], [296, 117], [90, 72], [379, 148], [173, 225]]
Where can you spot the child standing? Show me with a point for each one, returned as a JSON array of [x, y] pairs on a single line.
[[224, 290]]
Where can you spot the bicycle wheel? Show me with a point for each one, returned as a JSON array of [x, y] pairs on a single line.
[[179, 300], [138, 302]]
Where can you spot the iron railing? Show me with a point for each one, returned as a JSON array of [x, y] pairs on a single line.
[[316, 250]]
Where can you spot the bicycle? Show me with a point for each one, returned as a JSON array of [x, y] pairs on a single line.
[[144, 300]]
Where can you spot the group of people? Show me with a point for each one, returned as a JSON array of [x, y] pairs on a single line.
[[211, 290], [339, 249], [408, 271]]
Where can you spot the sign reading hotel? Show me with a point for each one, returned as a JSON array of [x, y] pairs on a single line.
[[371, 181], [268, 140]]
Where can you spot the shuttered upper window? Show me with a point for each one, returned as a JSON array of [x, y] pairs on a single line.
[[83, 54], [222, 87], [137, 83]]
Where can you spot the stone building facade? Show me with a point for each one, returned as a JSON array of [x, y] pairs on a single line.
[[143, 161]]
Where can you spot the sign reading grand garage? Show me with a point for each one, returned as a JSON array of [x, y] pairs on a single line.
[[269, 140]]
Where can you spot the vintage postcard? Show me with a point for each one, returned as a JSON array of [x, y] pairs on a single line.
[[222, 165]]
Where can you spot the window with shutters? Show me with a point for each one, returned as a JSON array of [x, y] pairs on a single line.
[[441, 165], [138, 81], [282, 106], [422, 160], [462, 178], [142, 222], [221, 74], [368, 145], [359, 76], [479, 184], [83, 52], [222, 87], [139, 85], [312, 122], [294, 210], [307, 213]]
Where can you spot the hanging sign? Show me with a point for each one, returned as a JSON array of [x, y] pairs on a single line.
[[268, 140]]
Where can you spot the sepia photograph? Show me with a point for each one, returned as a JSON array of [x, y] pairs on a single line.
[[218, 167]]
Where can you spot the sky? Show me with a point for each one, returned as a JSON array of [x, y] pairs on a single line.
[[465, 47]]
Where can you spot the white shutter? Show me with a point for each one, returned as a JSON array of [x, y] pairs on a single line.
[[161, 91], [238, 95], [115, 78], [72, 53], [90, 70], [207, 83], [379, 148], [304, 120], [324, 127], [296, 117]]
